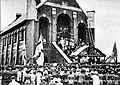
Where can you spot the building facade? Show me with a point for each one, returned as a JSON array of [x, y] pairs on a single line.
[[52, 19]]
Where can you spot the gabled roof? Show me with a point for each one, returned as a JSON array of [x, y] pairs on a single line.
[[72, 3], [18, 21], [14, 23]]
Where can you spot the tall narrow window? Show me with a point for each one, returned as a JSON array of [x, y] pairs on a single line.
[[8, 54], [3, 55], [4, 41], [1, 46], [14, 37], [21, 35], [44, 30], [14, 53], [9, 40]]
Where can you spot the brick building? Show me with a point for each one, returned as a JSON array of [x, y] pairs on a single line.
[[46, 17]]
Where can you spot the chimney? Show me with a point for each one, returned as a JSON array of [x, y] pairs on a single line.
[[18, 15]]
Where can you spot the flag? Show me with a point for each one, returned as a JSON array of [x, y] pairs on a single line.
[[39, 54], [24, 52], [114, 53]]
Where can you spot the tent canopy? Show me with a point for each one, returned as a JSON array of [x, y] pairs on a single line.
[[86, 48]]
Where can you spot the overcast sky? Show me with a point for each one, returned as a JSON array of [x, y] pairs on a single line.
[[107, 20]]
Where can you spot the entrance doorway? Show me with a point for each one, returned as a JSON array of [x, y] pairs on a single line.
[[82, 32], [44, 30]]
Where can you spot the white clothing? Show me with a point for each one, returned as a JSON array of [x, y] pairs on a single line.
[[40, 60], [39, 77], [59, 83], [33, 77], [96, 80], [62, 42], [24, 74], [58, 79], [52, 82], [54, 79], [39, 52], [45, 72], [71, 78], [62, 73], [19, 75], [13, 82]]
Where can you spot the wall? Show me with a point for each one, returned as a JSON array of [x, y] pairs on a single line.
[[47, 10]]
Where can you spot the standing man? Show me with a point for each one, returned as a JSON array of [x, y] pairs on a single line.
[[95, 77], [33, 77], [0, 79], [19, 75], [39, 77]]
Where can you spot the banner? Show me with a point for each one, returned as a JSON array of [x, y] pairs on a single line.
[[39, 54]]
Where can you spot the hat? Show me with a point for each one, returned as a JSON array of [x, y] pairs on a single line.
[[12, 77], [94, 72], [54, 64]]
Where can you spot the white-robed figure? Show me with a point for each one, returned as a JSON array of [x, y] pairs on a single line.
[[39, 54]]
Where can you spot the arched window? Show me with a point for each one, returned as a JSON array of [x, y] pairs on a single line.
[[63, 25], [82, 32]]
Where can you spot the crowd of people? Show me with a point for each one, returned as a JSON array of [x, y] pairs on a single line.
[[66, 74], [69, 46], [76, 73]]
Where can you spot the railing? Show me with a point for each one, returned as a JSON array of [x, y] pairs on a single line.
[[61, 52]]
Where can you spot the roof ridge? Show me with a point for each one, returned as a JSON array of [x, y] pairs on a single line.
[[14, 23]]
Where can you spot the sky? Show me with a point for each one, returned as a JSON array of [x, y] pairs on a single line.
[[107, 20], [107, 23]]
